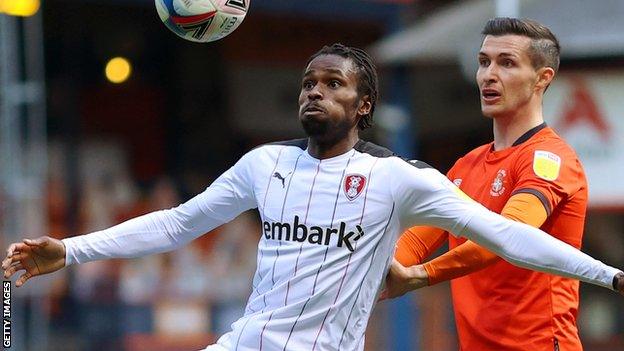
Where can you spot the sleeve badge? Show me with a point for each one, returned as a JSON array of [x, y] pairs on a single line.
[[546, 165]]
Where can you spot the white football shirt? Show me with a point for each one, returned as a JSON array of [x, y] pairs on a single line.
[[328, 233]]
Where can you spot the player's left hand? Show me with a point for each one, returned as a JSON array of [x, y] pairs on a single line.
[[401, 280]]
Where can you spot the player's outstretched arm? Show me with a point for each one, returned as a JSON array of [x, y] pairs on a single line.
[[528, 247], [469, 257], [34, 256], [427, 197], [401, 280], [154, 232]]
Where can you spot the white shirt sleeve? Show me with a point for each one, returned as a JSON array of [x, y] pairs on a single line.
[[427, 197], [166, 230]]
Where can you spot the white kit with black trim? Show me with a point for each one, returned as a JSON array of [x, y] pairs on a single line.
[[329, 229]]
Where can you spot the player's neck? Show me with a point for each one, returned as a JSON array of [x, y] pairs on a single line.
[[508, 129], [321, 149]]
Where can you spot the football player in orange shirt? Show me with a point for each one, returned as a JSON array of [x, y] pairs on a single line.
[[529, 174]]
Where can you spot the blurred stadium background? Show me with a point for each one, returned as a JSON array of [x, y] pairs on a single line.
[[82, 149]]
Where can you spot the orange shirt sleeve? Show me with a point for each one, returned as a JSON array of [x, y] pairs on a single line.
[[470, 257], [418, 243]]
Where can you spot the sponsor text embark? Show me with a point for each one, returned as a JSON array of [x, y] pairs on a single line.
[[299, 232]]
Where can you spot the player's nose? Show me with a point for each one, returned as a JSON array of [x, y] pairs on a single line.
[[315, 93], [490, 73]]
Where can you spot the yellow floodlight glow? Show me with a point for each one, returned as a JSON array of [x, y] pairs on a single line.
[[118, 70], [22, 8]]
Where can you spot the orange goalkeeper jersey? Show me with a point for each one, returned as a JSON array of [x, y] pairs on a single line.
[[504, 307]]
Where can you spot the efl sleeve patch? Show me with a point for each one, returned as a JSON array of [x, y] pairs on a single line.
[[546, 165]]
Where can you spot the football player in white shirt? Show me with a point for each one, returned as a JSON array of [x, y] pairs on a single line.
[[332, 207]]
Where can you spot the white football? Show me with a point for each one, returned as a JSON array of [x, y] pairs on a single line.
[[202, 20]]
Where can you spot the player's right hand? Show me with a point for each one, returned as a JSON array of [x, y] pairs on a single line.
[[401, 280], [34, 256]]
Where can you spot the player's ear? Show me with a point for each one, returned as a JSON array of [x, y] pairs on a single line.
[[364, 106], [545, 75]]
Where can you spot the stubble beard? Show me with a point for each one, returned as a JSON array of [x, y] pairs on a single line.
[[313, 127], [325, 132]]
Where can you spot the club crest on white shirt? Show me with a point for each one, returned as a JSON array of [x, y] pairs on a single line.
[[353, 185]]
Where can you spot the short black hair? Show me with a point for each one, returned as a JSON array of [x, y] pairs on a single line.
[[368, 83], [544, 50]]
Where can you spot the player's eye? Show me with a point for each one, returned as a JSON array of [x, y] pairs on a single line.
[[508, 63], [334, 84], [484, 62], [307, 84]]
